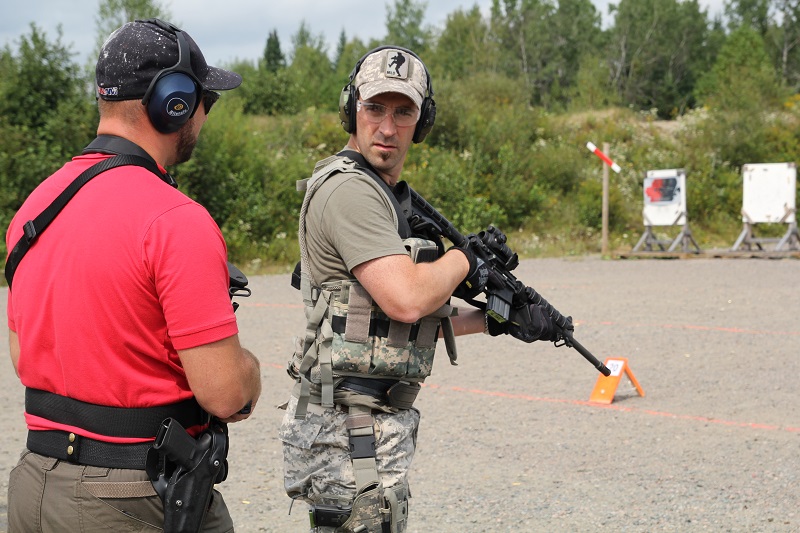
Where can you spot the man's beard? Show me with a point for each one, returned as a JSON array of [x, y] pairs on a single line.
[[187, 140]]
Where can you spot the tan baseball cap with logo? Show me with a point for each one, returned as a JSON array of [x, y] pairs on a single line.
[[392, 71]]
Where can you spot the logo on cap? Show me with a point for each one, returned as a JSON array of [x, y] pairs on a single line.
[[110, 91], [397, 65]]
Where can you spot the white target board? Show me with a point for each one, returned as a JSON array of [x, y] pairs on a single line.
[[769, 192], [665, 197]]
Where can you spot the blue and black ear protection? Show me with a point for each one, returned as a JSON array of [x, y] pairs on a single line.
[[347, 99], [174, 94]]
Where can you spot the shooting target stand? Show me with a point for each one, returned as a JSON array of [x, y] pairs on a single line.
[[606, 386], [769, 196], [789, 241], [684, 238], [664, 194]]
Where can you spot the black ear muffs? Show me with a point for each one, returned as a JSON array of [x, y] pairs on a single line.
[[174, 94], [427, 116], [347, 99]]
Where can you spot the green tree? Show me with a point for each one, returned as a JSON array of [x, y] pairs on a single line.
[[305, 39], [38, 80], [266, 93], [751, 13], [542, 43], [592, 88], [46, 117], [577, 34], [464, 47], [341, 45], [350, 53], [522, 29], [404, 26], [311, 72], [657, 51], [742, 78], [273, 56], [778, 23], [786, 37], [115, 13]]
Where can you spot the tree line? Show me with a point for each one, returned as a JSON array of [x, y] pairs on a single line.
[[656, 54], [518, 92]]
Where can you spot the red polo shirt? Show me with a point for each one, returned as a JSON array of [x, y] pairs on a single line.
[[129, 272]]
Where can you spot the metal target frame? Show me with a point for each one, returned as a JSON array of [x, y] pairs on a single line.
[[664, 196], [769, 197]]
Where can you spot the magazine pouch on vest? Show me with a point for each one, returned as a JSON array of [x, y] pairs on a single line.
[[367, 342], [347, 334], [184, 470]]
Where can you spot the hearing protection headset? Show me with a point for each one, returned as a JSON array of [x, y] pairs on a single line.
[[175, 93], [347, 99]]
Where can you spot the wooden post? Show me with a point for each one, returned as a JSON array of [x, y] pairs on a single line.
[[604, 248]]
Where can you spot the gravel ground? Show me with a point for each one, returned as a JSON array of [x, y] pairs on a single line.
[[509, 441]]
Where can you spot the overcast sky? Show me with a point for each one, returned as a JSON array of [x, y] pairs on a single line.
[[227, 30]]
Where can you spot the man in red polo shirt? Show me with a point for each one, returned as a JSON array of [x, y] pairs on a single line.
[[119, 314]]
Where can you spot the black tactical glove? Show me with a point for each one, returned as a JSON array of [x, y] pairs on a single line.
[[527, 323], [477, 277]]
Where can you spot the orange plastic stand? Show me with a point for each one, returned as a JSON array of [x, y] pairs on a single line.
[[606, 386]]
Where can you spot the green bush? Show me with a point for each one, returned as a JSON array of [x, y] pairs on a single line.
[[449, 182], [589, 203]]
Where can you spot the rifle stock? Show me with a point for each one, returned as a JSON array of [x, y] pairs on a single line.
[[504, 290]]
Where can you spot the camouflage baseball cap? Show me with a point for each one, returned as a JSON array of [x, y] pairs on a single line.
[[392, 71]]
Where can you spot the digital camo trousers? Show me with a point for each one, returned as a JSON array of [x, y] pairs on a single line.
[[316, 452]]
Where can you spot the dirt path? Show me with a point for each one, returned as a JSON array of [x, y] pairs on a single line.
[[509, 441]]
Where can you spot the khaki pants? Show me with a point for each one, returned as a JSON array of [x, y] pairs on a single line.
[[49, 495]]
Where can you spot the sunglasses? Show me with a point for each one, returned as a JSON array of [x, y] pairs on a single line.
[[209, 98]]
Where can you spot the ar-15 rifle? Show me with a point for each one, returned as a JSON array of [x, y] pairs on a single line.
[[503, 290]]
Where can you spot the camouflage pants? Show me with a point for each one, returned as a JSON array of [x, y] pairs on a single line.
[[316, 452]]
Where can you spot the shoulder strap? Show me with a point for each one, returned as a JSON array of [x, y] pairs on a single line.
[[114, 145], [361, 163], [322, 170], [33, 228]]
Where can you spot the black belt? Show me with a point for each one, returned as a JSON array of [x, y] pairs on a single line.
[[85, 451], [378, 327], [376, 388], [139, 422]]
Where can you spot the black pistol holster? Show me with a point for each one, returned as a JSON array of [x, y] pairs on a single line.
[[184, 470]]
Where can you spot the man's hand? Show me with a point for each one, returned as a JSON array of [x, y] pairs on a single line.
[[527, 323], [477, 276]]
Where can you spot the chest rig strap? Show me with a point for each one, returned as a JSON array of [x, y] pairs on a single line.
[[362, 321], [361, 427]]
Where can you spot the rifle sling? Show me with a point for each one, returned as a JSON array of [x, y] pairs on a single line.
[[403, 227]]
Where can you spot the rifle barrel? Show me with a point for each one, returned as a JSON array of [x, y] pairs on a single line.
[[453, 235], [602, 368]]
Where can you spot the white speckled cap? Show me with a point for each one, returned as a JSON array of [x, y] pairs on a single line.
[[136, 52]]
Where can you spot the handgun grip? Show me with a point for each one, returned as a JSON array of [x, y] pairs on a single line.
[[175, 442]]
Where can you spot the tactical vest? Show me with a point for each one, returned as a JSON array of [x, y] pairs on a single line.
[[347, 334]]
